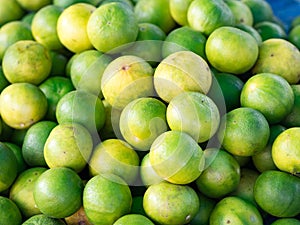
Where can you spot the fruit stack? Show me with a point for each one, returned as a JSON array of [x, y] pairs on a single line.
[[146, 112]]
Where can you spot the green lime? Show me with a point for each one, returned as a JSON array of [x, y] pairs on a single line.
[[277, 193], [133, 219], [26, 61], [294, 37], [270, 94], [9, 212], [128, 3], [68, 145], [286, 221], [17, 150], [179, 202], [10, 11], [221, 174], [184, 38], [67, 187], [54, 89], [251, 30], [240, 11], [35, 5], [291, 120], [261, 10], [244, 131], [111, 26], [66, 3], [176, 157], [148, 174], [21, 192], [268, 30], [59, 63], [106, 198], [42, 219], [3, 81]]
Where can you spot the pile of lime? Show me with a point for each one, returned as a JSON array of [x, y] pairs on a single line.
[[146, 112]]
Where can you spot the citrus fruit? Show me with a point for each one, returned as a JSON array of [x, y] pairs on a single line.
[[111, 26], [285, 221], [54, 88], [184, 38], [195, 114], [125, 79], [142, 121], [133, 219], [231, 50], [78, 217], [26, 61], [292, 120], [17, 136], [117, 157], [27, 18], [270, 94], [244, 131], [22, 104], [231, 87], [10, 10], [9, 213], [240, 11], [3, 81], [263, 160], [21, 192], [251, 30], [181, 71], [287, 158], [42, 219], [280, 57], [81, 107], [277, 193], [261, 10], [245, 187], [148, 174], [8, 167], [167, 203], [156, 12], [58, 192], [43, 27], [268, 30], [178, 10], [221, 174], [106, 197], [206, 16], [111, 122], [59, 63], [12, 32], [205, 209], [176, 157], [293, 36], [35, 5], [68, 145], [87, 70], [66, 3], [126, 2], [72, 27], [17, 150], [234, 210], [34, 141]]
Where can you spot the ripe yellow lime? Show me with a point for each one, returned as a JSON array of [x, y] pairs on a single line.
[[9, 11], [22, 104], [33, 5], [67, 187], [43, 27], [179, 202], [142, 121], [12, 32], [117, 157], [181, 71], [125, 79], [280, 57], [176, 157], [72, 27], [9, 212], [178, 10], [111, 26], [106, 197], [231, 50], [26, 61], [21, 192], [68, 145]]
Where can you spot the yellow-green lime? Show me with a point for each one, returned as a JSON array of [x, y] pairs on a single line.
[[21, 192], [9, 212], [261, 10], [26, 61], [43, 27], [268, 30], [251, 30], [181, 71], [66, 3], [126, 2], [10, 11], [68, 145], [106, 197], [240, 11], [285, 221], [42, 219], [293, 36], [147, 173], [178, 10], [22, 104], [292, 120], [133, 219], [179, 202], [33, 5], [72, 27], [67, 187], [117, 157]]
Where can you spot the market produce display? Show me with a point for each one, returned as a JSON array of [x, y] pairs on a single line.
[[149, 112]]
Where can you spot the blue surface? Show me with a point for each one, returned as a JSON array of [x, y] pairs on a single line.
[[285, 10]]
